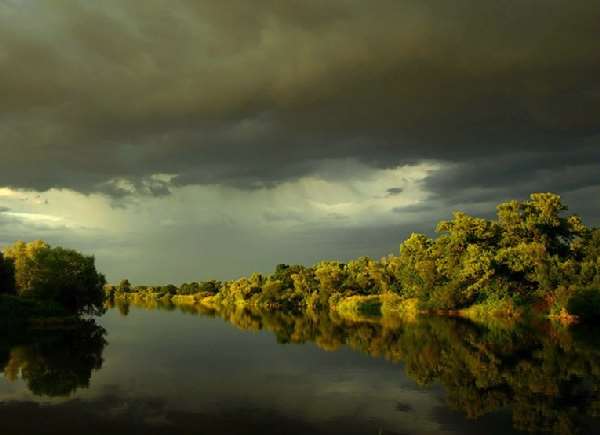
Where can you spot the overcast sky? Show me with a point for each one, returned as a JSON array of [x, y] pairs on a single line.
[[185, 140]]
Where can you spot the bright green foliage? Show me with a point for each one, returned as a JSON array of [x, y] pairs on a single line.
[[23, 255], [365, 276], [526, 255], [331, 275], [208, 287], [57, 275], [531, 255], [417, 271]]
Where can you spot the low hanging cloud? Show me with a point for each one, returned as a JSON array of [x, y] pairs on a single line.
[[103, 96]]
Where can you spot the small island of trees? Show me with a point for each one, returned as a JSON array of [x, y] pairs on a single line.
[[531, 260]]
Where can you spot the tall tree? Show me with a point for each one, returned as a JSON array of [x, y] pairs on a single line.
[[7, 275], [57, 275]]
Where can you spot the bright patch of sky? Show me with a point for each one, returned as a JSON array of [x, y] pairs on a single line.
[[197, 232]]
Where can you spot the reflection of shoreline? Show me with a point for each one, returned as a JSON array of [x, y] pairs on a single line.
[[153, 303], [379, 308], [549, 377], [53, 362]]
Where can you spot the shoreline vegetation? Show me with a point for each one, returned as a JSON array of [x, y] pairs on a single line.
[[532, 261], [48, 334], [45, 287]]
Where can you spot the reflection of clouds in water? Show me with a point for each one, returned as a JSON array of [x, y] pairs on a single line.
[[205, 364], [175, 370], [119, 412]]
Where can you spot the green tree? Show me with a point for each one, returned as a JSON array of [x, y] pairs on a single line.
[[57, 275], [416, 266], [25, 259], [532, 253], [124, 286], [169, 289], [7, 275], [331, 275]]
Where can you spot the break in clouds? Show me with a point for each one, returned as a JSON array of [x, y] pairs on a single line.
[[221, 127]]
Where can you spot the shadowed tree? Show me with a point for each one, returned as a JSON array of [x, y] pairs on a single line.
[[57, 275], [7, 276]]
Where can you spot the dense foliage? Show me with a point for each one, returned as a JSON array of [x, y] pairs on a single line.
[[52, 276], [530, 256], [7, 275]]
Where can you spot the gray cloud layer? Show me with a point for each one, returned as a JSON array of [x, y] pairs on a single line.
[[171, 107], [255, 93]]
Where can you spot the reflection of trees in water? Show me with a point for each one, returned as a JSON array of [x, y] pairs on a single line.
[[54, 362], [549, 377], [151, 303]]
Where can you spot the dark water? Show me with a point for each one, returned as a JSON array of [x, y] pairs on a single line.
[[157, 371]]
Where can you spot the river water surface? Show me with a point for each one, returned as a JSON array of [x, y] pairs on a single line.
[[162, 371]]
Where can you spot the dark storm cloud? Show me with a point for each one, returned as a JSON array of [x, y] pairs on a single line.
[[254, 93], [498, 178]]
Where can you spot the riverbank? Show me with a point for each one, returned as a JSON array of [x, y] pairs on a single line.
[[529, 261], [15, 310], [387, 308]]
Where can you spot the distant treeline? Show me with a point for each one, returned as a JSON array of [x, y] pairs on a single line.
[[531, 258]]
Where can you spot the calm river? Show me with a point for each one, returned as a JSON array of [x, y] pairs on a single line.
[[163, 371]]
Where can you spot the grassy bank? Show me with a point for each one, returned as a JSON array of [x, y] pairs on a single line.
[[388, 307]]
